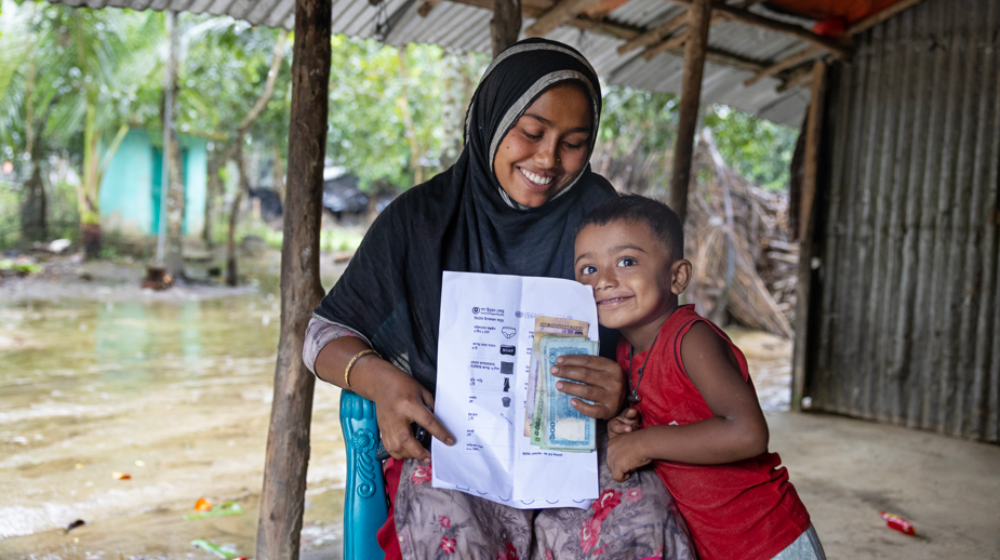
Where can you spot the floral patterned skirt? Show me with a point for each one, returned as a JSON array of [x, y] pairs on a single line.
[[631, 520]]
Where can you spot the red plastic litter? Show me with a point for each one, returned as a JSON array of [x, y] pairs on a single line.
[[898, 523]]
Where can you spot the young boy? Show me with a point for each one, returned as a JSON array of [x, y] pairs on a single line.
[[693, 410]]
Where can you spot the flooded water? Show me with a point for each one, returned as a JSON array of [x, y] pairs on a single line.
[[173, 390], [175, 394]]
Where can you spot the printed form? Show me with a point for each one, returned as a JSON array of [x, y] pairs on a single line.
[[484, 348]]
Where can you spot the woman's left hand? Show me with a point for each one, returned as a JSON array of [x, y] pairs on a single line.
[[598, 379]]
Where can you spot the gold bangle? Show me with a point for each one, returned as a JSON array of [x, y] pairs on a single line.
[[350, 364]]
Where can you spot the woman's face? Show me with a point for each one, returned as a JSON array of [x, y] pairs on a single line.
[[547, 146]]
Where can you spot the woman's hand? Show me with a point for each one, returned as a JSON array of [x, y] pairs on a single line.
[[625, 455], [400, 401], [624, 423], [599, 380]]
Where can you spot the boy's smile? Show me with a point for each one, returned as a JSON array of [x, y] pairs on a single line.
[[635, 280]]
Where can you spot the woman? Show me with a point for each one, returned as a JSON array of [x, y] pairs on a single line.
[[509, 206]]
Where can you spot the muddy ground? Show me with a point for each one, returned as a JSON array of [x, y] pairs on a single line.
[[173, 388]]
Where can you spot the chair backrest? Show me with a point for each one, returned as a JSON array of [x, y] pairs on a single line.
[[365, 507]]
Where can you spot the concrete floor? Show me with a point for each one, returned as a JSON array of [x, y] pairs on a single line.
[[846, 470]]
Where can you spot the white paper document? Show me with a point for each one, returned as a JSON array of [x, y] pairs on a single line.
[[484, 348]]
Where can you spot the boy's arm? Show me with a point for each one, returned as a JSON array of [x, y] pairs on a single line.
[[738, 430]]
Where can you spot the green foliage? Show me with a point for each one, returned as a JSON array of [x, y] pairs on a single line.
[[369, 86], [638, 129], [755, 148], [8, 265]]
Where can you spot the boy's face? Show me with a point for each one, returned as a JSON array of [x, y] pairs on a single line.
[[636, 281]]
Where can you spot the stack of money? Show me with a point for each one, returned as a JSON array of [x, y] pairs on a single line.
[[549, 419]]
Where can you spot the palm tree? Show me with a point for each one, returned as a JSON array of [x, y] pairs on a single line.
[[80, 68]]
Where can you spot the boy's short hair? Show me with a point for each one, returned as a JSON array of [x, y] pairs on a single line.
[[663, 221]]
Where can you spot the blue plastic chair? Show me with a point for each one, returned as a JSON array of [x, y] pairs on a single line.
[[365, 507]]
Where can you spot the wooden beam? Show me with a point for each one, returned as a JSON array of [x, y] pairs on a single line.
[[655, 34], [877, 18], [282, 499], [427, 6], [505, 25], [799, 77], [670, 44], [699, 16], [750, 18], [562, 12], [535, 8], [625, 32], [676, 41], [807, 229], [804, 55]]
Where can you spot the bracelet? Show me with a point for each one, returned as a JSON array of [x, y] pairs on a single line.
[[350, 364]]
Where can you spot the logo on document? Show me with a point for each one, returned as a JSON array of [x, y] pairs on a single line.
[[475, 311], [508, 350]]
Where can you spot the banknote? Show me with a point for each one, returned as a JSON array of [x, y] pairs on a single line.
[[563, 427], [543, 391], [547, 325]]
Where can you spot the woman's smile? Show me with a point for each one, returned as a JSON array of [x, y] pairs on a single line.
[[535, 179]]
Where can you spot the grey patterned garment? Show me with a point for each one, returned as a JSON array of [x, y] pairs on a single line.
[[806, 547], [631, 520]]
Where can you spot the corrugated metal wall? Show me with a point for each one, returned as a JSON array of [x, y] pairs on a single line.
[[907, 315]]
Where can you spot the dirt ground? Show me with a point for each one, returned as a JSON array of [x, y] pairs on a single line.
[[98, 376], [846, 470]]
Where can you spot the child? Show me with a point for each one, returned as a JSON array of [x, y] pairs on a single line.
[[693, 409]]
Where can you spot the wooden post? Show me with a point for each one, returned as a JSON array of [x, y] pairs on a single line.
[[810, 164], [282, 499], [506, 24], [694, 68]]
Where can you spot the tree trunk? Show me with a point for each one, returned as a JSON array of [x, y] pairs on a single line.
[[214, 189], [237, 151], [34, 212], [404, 107], [282, 499], [506, 24], [88, 190], [695, 48], [242, 187], [278, 183], [174, 251]]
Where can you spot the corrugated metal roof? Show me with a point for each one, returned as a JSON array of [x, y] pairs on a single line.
[[466, 28]]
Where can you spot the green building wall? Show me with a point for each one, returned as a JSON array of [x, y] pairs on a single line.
[[127, 189]]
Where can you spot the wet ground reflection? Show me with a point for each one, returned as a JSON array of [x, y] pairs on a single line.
[[174, 393]]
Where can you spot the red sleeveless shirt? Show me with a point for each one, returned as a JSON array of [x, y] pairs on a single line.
[[746, 510]]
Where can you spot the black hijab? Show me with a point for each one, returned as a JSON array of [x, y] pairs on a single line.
[[462, 220]]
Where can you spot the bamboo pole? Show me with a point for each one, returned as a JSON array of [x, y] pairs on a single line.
[[505, 25], [810, 166], [694, 69], [282, 499]]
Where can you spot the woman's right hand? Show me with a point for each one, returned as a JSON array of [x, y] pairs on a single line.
[[399, 401]]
